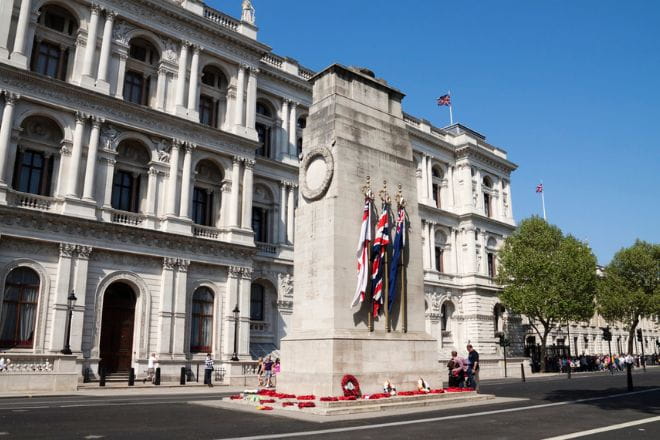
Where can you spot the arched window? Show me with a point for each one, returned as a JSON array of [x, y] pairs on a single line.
[[38, 148], [262, 214], [440, 244], [498, 319], [301, 124], [54, 41], [207, 194], [128, 182], [491, 256], [257, 302], [141, 66], [487, 185], [19, 308], [446, 313], [213, 97], [201, 326], [436, 178], [265, 129]]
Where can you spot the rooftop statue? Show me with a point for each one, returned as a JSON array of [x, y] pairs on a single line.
[[248, 12]]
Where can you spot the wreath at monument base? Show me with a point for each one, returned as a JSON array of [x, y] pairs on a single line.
[[350, 386]]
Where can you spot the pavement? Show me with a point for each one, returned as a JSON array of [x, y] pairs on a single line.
[[595, 405]]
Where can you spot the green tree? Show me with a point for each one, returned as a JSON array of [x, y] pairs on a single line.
[[547, 276], [629, 289]]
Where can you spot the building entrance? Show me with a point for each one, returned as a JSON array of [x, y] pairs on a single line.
[[117, 328]]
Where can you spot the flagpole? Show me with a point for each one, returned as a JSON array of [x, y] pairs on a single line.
[[543, 201], [451, 116]]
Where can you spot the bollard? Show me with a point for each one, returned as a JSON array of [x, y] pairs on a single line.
[[629, 376], [569, 371], [131, 377], [197, 376], [157, 378], [522, 372], [102, 377], [183, 376], [86, 378]]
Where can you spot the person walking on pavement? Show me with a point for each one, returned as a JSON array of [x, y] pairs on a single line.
[[268, 371], [208, 370], [151, 368], [472, 368]]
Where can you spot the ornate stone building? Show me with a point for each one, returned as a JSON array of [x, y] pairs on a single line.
[[149, 155]]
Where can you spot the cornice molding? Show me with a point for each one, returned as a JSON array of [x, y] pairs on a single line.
[[57, 228]]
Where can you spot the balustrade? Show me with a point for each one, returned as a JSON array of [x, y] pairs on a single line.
[[221, 19]]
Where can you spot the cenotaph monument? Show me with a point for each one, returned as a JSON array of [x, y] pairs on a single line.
[[355, 131]]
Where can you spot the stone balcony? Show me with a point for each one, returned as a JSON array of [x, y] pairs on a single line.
[[38, 372]]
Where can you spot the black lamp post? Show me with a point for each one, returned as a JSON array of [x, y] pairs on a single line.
[[70, 302], [235, 312]]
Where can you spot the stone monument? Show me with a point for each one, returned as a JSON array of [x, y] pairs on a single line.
[[355, 129]]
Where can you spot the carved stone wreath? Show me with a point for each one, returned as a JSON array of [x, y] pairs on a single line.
[[318, 168]]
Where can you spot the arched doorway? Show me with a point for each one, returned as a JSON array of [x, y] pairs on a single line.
[[117, 328]]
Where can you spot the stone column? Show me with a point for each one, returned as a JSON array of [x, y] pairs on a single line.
[[5, 132], [457, 251], [180, 296], [432, 244], [181, 78], [76, 156], [92, 150], [251, 110], [121, 73], [170, 201], [425, 185], [58, 308], [478, 206], [166, 316], [109, 176], [184, 209], [151, 191], [231, 301], [292, 129], [290, 206], [450, 187], [90, 49], [425, 243], [245, 284], [246, 221], [225, 204], [235, 186], [20, 47], [509, 209], [106, 45], [160, 88], [283, 147], [6, 8], [240, 96], [283, 212], [80, 288], [194, 80], [429, 180]]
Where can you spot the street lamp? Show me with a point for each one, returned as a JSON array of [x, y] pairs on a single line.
[[70, 302], [235, 312]]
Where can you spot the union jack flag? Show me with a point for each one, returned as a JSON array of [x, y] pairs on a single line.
[[399, 245], [380, 248], [539, 188], [363, 254], [444, 100]]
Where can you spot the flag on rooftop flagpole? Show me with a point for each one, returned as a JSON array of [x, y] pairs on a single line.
[[444, 100], [539, 188], [381, 242], [399, 245], [363, 254]]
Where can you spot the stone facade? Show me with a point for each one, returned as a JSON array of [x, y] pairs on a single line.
[[149, 156]]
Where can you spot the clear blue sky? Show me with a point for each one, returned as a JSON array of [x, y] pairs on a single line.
[[571, 89]]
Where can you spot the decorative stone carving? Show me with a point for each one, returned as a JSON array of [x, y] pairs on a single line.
[[248, 14], [109, 138], [285, 285], [67, 250], [318, 167], [84, 251], [182, 264], [171, 52], [161, 149], [120, 32], [169, 263]]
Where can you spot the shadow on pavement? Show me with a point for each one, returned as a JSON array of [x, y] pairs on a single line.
[[647, 402]]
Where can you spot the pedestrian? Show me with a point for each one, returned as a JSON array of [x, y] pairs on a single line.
[[151, 368], [208, 370], [456, 366], [472, 368], [276, 370], [260, 372], [2, 364], [268, 371]]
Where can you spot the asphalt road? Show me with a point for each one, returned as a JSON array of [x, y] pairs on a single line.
[[555, 407]]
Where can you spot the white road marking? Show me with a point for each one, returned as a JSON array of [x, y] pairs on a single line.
[[606, 429], [4, 433], [93, 436], [434, 419]]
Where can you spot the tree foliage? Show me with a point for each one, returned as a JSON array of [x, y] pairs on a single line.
[[630, 287], [547, 276]]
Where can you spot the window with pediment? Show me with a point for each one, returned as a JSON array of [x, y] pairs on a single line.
[[54, 41], [141, 71], [265, 127], [213, 97], [130, 176], [39, 146], [207, 194]]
